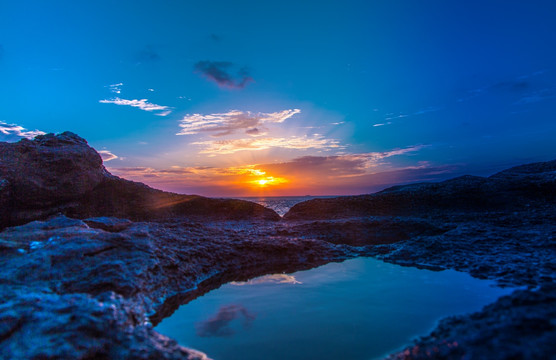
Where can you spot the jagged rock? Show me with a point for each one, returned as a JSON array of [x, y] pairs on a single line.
[[63, 174], [517, 187]]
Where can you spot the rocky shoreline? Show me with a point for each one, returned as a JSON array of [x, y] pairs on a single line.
[[85, 275]]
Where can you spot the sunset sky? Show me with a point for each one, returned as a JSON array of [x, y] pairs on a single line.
[[250, 98]]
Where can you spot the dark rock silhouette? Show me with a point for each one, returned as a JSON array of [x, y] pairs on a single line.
[[515, 188], [62, 174]]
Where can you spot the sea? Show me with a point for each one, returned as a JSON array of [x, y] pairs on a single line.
[[281, 204]]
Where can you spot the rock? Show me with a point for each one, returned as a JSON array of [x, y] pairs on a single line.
[[111, 224], [518, 326], [514, 188], [63, 174], [49, 170], [80, 292], [367, 230]]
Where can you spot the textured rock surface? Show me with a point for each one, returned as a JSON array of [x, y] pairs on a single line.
[[71, 291], [63, 174]]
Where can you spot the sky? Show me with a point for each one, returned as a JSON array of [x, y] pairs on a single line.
[[269, 98]]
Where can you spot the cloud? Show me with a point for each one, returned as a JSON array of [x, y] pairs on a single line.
[[537, 96], [335, 166], [219, 325], [215, 37], [115, 88], [12, 132], [232, 121], [107, 155], [221, 72], [148, 54], [295, 142], [141, 104]]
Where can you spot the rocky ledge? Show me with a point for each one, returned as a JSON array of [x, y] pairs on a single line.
[[90, 282]]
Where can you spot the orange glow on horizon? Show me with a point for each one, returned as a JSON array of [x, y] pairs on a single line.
[[268, 181]]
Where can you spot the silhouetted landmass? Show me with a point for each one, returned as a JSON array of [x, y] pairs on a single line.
[[515, 188], [62, 174]]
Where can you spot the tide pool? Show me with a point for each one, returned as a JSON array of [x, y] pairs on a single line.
[[358, 309]]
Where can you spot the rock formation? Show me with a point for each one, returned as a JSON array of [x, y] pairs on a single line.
[[515, 188], [62, 174]]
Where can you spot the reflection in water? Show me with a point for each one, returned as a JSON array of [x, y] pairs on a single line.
[[361, 309], [269, 279], [220, 324]]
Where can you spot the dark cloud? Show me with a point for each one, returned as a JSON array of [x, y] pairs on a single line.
[[254, 131], [219, 324], [147, 55], [216, 38], [224, 74]]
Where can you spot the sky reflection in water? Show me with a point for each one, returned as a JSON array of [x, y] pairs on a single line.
[[359, 309]]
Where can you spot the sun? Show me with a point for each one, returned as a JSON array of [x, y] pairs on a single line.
[[268, 181]]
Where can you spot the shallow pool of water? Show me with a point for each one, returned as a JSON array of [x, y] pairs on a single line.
[[359, 309]]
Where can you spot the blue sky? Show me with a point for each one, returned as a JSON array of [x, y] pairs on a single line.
[[289, 97]]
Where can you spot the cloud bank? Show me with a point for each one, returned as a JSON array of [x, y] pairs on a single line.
[[222, 73], [252, 123]]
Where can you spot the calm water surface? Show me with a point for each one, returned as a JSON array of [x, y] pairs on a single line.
[[359, 309]]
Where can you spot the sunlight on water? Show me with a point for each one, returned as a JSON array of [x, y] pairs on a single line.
[[359, 309], [281, 204]]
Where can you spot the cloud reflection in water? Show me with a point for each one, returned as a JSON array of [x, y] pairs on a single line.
[[269, 279], [220, 324]]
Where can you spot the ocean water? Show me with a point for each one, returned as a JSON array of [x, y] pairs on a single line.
[[360, 309], [281, 204]]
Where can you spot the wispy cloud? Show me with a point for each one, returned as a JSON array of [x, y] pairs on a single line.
[[232, 121], [336, 166], [537, 96], [142, 104], [12, 132], [222, 73], [107, 155], [115, 88], [254, 144]]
